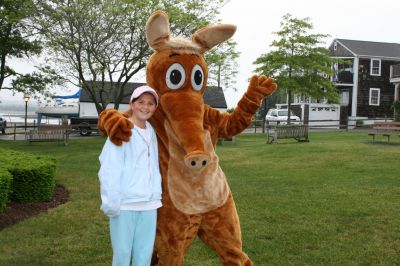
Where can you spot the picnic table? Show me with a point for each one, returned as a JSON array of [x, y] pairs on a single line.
[[386, 129]]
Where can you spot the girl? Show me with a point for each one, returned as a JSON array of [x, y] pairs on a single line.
[[130, 184]]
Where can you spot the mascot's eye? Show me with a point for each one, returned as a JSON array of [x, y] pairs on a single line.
[[175, 76], [197, 77]]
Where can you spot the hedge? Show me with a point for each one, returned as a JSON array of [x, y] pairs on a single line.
[[5, 185], [33, 176]]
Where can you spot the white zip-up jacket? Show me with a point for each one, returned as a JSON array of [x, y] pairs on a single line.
[[129, 173]]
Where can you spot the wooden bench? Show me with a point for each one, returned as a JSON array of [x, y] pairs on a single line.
[[222, 140], [45, 133], [297, 132], [386, 129]]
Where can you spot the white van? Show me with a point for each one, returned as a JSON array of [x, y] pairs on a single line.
[[280, 116]]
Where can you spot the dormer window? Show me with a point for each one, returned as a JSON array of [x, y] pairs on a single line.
[[375, 67]]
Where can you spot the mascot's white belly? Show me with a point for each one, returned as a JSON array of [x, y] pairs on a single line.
[[195, 191]]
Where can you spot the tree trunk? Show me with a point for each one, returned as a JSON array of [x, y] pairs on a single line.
[[289, 106], [219, 75]]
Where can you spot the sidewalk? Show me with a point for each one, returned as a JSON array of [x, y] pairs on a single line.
[[11, 137], [21, 136]]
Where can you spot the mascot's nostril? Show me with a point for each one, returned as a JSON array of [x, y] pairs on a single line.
[[196, 161]]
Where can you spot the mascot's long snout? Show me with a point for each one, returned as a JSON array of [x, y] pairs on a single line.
[[185, 111]]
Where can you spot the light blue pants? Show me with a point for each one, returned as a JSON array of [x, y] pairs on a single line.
[[133, 234]]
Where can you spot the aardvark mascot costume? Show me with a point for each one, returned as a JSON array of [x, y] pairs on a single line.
[[196, 196]]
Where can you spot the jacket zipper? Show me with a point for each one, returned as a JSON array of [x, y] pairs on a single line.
[[148, 156]]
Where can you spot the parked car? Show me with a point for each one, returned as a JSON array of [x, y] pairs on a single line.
[[280, 116], [3, 125]]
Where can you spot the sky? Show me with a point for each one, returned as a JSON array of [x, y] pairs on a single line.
[[256, 20]]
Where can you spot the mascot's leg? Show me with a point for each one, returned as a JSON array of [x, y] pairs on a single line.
[[220, 229], [175, 233]]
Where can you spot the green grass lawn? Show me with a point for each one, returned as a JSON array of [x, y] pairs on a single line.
[[332, 201]]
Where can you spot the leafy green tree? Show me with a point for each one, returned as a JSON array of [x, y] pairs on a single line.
[[298, 62], [101, 45], [230, 110], [19, 40], [222, 65]]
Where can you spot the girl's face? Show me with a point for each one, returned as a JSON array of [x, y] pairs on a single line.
[[143, 108]]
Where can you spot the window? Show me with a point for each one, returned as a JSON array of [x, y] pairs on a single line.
[[375, 67], [344, 97], [374, 95]]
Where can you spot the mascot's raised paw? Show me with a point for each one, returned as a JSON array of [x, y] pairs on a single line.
[[115, 125], [260, 87]]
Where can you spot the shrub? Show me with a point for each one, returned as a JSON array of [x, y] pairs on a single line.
[[396, 106], [5, 184], [359, 123], [33, 176]]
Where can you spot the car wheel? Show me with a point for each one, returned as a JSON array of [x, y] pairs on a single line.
[[84, 129]]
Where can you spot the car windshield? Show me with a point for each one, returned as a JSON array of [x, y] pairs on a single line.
[[283, 113]]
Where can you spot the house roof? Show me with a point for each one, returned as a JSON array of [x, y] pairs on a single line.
[[369, 49], [213, 95]]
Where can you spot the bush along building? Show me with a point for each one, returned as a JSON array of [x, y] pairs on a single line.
[[369, 77]]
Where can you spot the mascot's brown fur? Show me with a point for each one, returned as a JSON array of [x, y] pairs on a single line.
[[196, 196]]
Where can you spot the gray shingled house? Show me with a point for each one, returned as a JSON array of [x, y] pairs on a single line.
[[369, 80]]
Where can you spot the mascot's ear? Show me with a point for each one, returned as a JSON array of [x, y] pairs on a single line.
[[158, 35], [157, 30], [213, 35]]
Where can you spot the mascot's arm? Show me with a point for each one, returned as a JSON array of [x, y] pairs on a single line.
[[231, 124], [115, 125]]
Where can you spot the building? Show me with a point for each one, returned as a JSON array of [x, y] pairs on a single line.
[[213, 96], [368, 79]]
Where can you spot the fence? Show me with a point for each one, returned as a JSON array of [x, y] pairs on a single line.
[[257, 126], [19, 130], [260, 126], [16, 129]]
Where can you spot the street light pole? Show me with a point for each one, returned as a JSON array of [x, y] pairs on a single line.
[[26, 99]]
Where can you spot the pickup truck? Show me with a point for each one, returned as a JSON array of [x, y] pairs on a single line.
[[85, 126], [3, 125]]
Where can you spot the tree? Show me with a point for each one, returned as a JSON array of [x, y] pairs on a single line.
[[222, 65], [100, 45], [298, 63], [17, 40]]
